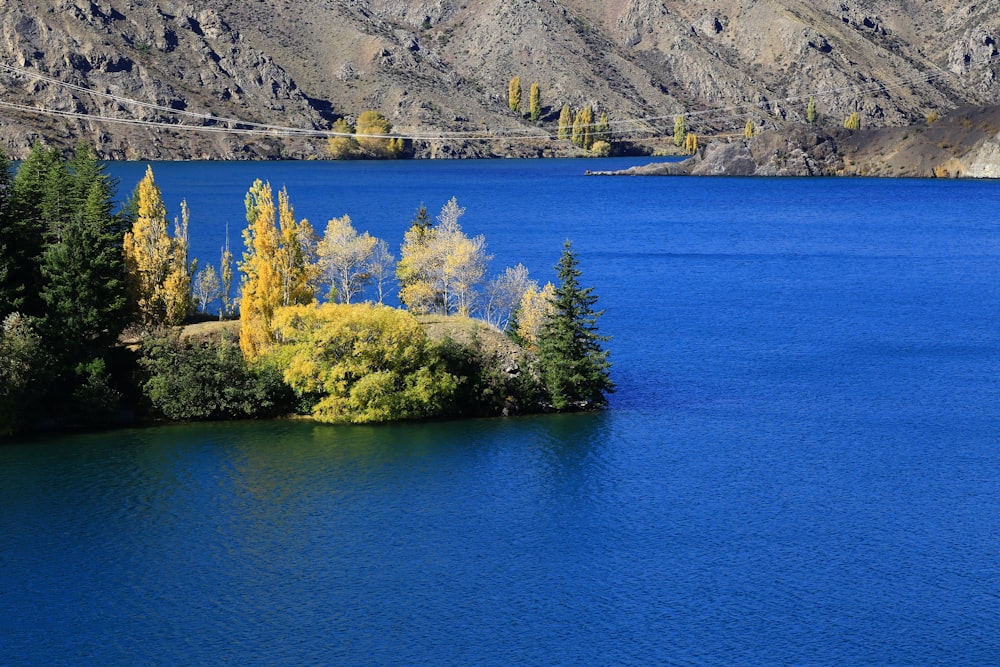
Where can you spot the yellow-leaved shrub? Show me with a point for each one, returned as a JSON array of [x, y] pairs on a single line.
[[361, 363]]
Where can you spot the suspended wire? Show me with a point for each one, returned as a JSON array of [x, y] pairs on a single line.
[[618, 127]]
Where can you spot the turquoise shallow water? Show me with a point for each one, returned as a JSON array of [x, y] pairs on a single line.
[[801, 465]]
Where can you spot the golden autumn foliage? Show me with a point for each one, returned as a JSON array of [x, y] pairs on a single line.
[[601, 149], [535, 102], [680, 130], [158, 274], [274, 269], [177, 285], [535, 306], [364, 362], [565, 123], [691, 143], [296, 254], [514, 94], [583, 127], [373, 135], [343, 145]]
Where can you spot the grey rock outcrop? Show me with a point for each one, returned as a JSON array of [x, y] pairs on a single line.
[[964, 144]]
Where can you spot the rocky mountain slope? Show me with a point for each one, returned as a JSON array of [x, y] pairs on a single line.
[[439, 69]]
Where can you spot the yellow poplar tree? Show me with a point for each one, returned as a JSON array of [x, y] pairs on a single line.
[[176, 290], [583, 127], [535, 102], [147, 249], [276, 266], [294, 264], [261, 290], [514, 94], [565, 122], [680, 131], [535, 306], [602, 131], [811, 114], [691, 143]]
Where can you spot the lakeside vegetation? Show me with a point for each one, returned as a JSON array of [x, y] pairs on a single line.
[[93, 299]]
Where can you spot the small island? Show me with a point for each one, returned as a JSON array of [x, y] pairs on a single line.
[[106, 318]]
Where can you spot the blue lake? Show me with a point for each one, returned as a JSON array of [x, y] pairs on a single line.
[[801, 464]]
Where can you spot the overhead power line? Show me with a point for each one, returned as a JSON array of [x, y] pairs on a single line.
[[210, 123]]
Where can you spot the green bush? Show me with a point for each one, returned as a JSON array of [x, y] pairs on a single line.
[[24, 372], [489, 384], [192, 380]]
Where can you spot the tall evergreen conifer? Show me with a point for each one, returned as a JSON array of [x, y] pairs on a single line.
[[84, 269], [28, 229], [7, 239], [574, 368]]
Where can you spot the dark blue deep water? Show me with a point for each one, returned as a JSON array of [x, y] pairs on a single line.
[[801, 465]]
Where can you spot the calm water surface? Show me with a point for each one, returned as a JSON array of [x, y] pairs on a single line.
[[801, 465]]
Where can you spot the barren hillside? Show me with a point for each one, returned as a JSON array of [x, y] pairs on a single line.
[[439, 69]]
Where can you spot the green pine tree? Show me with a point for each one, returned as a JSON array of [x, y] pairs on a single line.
[[83, 269], [28, 224], [8, 240], [574, 368]]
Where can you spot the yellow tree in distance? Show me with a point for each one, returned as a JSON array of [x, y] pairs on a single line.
[[373, 135], [565, 122], [514, 95], [535, 102]]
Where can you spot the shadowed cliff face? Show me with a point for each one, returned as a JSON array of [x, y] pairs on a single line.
[[443, 67]]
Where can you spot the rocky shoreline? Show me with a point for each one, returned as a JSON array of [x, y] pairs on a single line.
[[964, 144]]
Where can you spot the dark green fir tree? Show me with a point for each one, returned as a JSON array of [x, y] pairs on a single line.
[[574, 368], [8, 293], [83, 270]]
